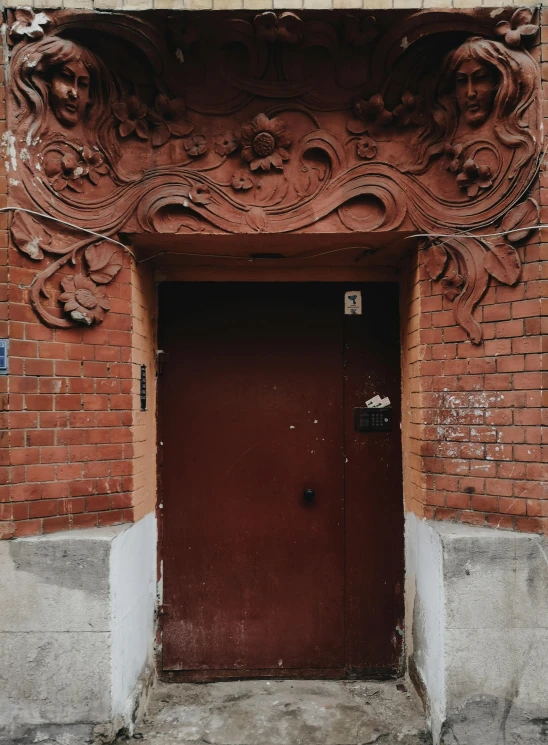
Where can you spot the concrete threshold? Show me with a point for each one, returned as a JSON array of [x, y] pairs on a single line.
[[283, 712]]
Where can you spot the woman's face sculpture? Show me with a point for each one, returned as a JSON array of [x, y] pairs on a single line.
[[475, 87], [69, 93]]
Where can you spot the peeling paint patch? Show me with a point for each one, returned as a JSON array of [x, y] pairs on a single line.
[[33, 248], [79, 316], [8, 141]]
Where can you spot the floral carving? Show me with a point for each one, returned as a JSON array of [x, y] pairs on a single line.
[[69, 169], [131, 115], [454, 153], [318, 179], [225, 143], [200, 194], [29, 24], [264, 143], [65, 171], [94, 164], [286, 28], [242, 180], [473, 178], [168, 120], [518, 29], [83, 300], [370, 113], [409, 111], [196, 145], [366, 148], [360, 30]]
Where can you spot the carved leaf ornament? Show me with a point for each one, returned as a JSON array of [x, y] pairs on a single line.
[[503, 263], [104, 261], [500, 260], [518, 219], [29, 236], [273, 123]]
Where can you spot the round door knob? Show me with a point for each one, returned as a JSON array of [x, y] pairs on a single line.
[[309, 495]]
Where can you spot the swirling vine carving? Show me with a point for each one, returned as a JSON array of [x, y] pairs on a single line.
[[270, 123]]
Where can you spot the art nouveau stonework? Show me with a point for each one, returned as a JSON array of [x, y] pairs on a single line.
[[271, 123]]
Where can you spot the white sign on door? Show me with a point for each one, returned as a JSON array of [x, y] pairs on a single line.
[[353, 303]]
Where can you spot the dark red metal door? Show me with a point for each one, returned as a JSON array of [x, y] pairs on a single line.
[[255, 410], [373, 488]]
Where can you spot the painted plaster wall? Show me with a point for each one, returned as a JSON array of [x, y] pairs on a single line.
[[133, 597], [425, 612], [76, 622], [479, 606]]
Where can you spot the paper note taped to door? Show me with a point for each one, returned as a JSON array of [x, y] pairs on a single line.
[[353, 303], [377, 402]]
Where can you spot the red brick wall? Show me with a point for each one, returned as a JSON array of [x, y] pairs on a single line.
[[69, 461], [476, 451], [77, 452], [473, 415]]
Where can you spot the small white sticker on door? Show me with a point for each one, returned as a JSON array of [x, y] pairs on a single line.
[[353, 303]]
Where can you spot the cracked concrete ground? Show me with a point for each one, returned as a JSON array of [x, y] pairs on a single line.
[[288, 712]]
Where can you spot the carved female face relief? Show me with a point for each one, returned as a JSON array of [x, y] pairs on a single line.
[[264, 148], [475, 88], [69, 93]]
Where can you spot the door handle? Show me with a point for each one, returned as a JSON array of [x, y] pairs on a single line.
[[309, 495]]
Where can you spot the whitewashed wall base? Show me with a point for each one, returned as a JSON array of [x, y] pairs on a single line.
[[77, 615], [477, 631]]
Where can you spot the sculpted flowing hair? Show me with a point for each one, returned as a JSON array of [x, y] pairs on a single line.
[[32, 67], [515, 107]]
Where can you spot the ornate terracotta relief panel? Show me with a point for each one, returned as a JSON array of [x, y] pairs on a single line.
[[273, 123]]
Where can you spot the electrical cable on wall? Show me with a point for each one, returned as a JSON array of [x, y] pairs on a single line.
[[70, 225], [432, 236]]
